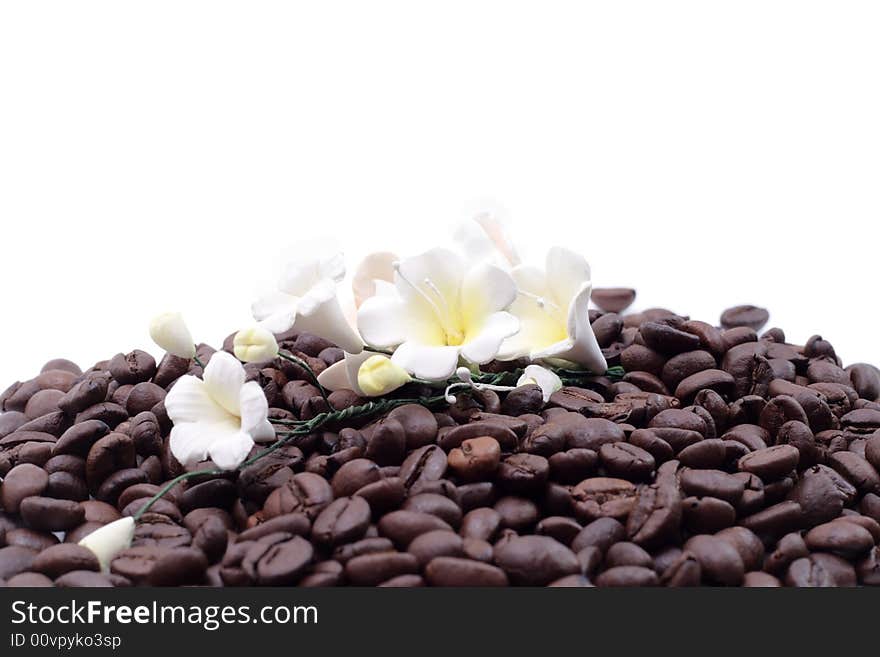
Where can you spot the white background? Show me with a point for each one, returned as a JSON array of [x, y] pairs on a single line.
[[156, 155]]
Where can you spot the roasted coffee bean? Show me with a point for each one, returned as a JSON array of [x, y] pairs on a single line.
[[476, 458], [436, 504], [712, 483], [523, 473], [426, 463], [707, 515], [21, 482], [627, 576], [748, 316], [372, 569], [483, 523], [60, 559], [535, 560], [776, 520], [856, 470], [601, 534], [627, 554], [66, 486], [454, 571], [178, 567], [720, 562], [48, 514], [220, 493], [132, 368], [403, 526], [342, 521], [626, 461], [15, 560], [113, 452], [819, 498], [386, 444], [517, 513], [771, 462], [603, 497], [613, 299], [306, 493], [846, 539]]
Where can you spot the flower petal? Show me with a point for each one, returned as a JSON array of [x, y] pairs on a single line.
[[485, 345], [485, 289], [547, 380], [379, 321], [189, 441], [171, 333], [276, 311], [567, 272], [327, 320], [108, 541], [375, 267], [438, 271], [224, 376], [264, 433], [190, 401], [426, 362], [484, 239], [254, 407], [581, 347], [229, 450], [335, 377]]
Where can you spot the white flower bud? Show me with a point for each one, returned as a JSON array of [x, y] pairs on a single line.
[[378, 375], [170, 332], [255, 345], [108, 541]]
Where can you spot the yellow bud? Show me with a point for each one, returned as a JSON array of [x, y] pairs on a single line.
[[379, 376], [254, 345]]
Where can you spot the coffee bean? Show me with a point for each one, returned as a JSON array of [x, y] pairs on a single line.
[[856, 470], [342, 521], [707, 514], [48, 514], [517, 513], [535, 560], [720, 562], [712, 483], [477, 458], [627, 576], [21, 482], [372, 569], [770, 463], [846, 539], [59, 559], [114, 451], [15, 560], [748, 316], [776, 520], [454, 571], [601, 534], [132, 368], [626, 461], [627, 554], [613, 299]]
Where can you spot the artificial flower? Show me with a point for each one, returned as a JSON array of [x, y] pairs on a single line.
[[254, 345], [483, 238], [379, 375], [111, 539], [218, 417], [374, 270], [343, 374], [547, 380], [441, 309], [553, 309], [170, 332], [306, 300]]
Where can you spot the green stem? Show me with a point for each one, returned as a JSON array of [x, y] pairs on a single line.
[[310, 372], [171, 484], [198, 361]]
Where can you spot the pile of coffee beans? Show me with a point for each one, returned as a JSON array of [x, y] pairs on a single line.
[[724, 456]]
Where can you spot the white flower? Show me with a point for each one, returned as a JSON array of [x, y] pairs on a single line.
[[219, 417], [306, 301], [483, 238], [170, 332], [374, 270], [548, 381], [108, 541], [553, 309], [254, 345], [440, 309]]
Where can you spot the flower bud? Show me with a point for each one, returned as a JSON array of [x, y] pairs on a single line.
[[108, 541], [170, 332], [254, 345], [378, 376]]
